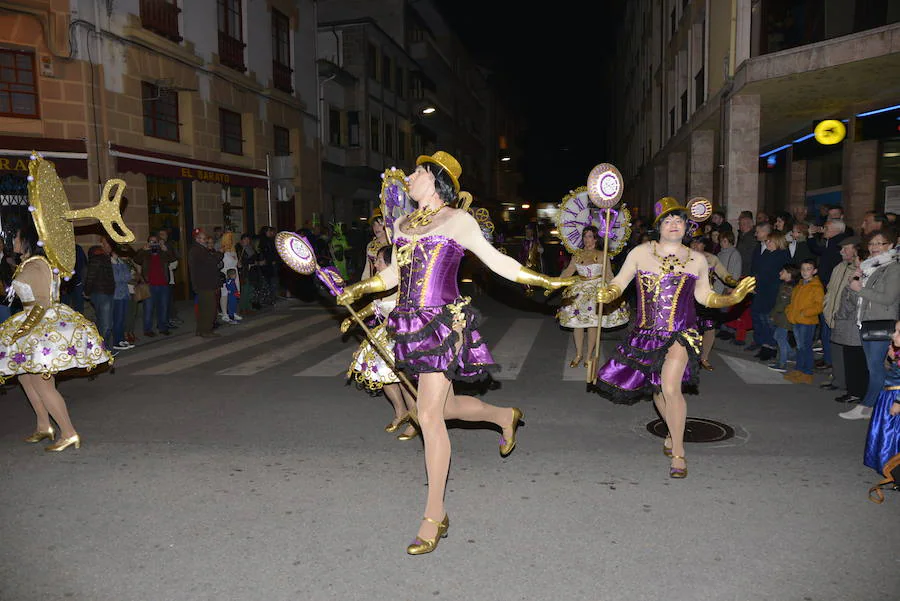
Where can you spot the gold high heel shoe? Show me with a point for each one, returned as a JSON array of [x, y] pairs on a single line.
[[667, 450], [574, 362], [65, 443], [40, 435], [678, 472], [421, 546], [408, 436], [506, 446], [393, 427]]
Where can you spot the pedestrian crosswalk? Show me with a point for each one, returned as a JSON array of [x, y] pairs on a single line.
[[309, 344]]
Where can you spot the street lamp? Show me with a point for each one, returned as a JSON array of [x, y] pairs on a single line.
[[428, 110], [526, 206]]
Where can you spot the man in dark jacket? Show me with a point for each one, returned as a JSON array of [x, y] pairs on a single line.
[[203, 267], [100, 285], [746, 243], [826, 245]]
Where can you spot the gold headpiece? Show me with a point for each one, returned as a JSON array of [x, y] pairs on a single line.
[[666, 205], [52, 215]]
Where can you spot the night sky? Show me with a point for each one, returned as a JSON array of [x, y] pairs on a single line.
[[549, 61]]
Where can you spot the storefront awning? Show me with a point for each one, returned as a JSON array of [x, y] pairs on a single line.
[[160, 164], [70, 156]]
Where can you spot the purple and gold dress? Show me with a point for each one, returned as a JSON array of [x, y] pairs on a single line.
[[665, 315], [433, 327]]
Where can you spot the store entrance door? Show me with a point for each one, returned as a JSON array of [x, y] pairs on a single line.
[[168, 207]]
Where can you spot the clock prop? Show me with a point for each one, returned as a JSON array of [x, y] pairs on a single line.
[[299, 256], [604, 188]]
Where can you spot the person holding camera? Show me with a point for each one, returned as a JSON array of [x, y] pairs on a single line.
[[154, 259]]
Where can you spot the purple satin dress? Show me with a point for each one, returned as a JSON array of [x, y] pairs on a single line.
[[665, 315], [434, 328]]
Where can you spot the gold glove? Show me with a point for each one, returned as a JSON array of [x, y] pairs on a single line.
[[364, 313], [356, 291], [32, 319], [744, 287], [607, 294], [730, 282], [532, 278]]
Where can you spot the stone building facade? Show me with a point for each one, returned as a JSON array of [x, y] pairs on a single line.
[[207, 109]]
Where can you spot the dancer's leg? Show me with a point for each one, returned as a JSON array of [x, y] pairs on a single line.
[[54, 403], [471, 409], [395, 396], [578, 335], [591, 343], [40, 411], [434, 389], [709, 338], [675, 405], [409, 402]]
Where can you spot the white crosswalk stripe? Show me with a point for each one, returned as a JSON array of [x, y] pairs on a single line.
[[220, 350], [308, 345]]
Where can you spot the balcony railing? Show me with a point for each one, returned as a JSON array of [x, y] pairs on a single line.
[[161, 17], [231, 52], [282, 77]]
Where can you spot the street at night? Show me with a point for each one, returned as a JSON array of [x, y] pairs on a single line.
[[246, 468]]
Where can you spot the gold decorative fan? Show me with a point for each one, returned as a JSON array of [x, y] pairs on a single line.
[[830, 131], [52, 215]]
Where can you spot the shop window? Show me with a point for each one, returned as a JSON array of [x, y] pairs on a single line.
[[353, 129], [334, 127], [282, 75], [231, 34], [230, 132], [161, 17], [160, 112], [282, 137], [374, 143], [18, 92]]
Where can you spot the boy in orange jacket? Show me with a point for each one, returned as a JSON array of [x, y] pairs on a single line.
[[807, 303]]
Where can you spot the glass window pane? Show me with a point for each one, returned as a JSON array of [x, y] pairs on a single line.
[[4, 102], [6, 59], [24, 104], [7, 75], [23, 61], [148, 126], [26, 77]]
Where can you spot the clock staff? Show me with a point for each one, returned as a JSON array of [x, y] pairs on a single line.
[[660, 356]]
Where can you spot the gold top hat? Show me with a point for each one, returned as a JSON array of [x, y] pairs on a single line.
[[664, 206], [376, 214], [445, 161]]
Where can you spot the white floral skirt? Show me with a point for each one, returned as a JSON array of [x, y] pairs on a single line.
[[368, 367], [63, 339], [579, 307]]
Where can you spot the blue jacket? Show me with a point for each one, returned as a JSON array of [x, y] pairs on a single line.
[[766, 268]]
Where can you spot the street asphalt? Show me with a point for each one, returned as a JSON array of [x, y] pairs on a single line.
[[210, 470]]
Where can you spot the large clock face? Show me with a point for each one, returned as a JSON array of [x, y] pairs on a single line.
[[576, 212]]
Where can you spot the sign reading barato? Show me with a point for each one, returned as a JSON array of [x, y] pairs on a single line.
[[205, 176]]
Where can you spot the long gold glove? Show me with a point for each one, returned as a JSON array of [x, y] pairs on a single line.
[[356, 291], [743, 288], [32, 319], [607, 294], [532, 278], [364, 313], [730, 281]]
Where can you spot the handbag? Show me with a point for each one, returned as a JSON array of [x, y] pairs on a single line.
[[891, 471], [877, 330], [141, 291]]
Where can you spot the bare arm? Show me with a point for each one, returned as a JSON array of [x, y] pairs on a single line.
[[702, 289], [464, 229], [569, 270]]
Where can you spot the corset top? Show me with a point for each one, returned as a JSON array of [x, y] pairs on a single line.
[[428, 268], [592, 270], [666, 301]]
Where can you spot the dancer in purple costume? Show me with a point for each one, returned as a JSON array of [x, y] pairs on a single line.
[[435, 329], [661, 354]]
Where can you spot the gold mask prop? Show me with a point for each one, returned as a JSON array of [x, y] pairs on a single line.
[[52, 215]]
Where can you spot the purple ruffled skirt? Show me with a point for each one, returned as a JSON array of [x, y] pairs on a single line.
[[634, 372], [440, 339]]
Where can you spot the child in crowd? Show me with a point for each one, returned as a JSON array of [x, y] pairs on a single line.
[[807, 303], [233, 294], [789, 275], [883, 440]]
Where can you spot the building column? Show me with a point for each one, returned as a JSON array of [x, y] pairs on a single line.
[[797, 190], [702, 166], [677, 175], [741, 155], [860, 180]]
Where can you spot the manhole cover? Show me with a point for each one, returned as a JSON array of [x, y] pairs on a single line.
[[696, 429]]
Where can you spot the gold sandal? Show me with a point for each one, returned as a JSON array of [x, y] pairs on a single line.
[[421, 546]]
